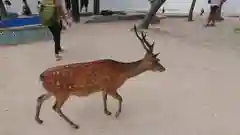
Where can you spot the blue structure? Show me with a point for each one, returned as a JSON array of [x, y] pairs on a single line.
[[16, 22], [22, 31]]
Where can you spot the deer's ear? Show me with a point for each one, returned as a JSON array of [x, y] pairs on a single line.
[[155, 55]]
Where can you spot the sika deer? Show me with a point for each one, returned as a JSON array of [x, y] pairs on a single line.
[[84, 79]]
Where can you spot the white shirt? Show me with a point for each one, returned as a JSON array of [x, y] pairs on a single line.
[[9, 8], [216, 2], [59, 2]]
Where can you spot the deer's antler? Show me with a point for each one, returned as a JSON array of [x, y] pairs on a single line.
[[146, 45]]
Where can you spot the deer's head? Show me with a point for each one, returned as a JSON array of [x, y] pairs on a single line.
[[150, 60]]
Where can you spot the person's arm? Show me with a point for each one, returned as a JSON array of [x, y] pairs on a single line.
[[222, 1], [62, 13], [60, 9]]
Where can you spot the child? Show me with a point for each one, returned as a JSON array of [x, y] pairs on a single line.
[[214, 6]]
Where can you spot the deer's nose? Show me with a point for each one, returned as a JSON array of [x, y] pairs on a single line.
[[162, 69]]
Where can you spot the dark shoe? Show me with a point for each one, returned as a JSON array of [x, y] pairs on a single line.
[[209, 25], [206, 25]]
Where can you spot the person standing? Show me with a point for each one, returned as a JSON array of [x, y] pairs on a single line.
[[9, 9], [202, 12], [68, 6], [214, 6], [8, 6], [84, 3], [52, 14], [39, 4], [25, 8]]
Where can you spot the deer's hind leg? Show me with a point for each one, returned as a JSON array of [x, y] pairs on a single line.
[[104, 94], [40, 101], [60, 100]]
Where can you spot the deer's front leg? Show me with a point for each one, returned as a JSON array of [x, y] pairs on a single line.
[[105, 103], [60, 100]]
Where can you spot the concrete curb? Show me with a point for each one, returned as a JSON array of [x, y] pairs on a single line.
[[24, 35], [115, 18]]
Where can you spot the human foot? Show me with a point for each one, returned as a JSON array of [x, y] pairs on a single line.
[[61, 50]]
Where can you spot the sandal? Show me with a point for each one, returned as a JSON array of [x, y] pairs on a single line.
[[58, 57]]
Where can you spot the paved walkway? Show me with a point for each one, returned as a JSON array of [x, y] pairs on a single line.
[[199, 94]]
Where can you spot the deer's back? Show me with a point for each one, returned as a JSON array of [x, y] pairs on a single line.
[[85, 78]]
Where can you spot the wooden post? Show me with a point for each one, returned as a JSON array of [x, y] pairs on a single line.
[[219, 11], [155, 5], [75, 11], [190, 14], [219, 14]]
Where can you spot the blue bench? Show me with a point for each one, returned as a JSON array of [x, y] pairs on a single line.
[[23, 30]]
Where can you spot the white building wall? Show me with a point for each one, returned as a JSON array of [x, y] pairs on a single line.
[[232, 7], [178, 6], [17, 5]]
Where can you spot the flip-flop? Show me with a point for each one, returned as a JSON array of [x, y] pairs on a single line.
[[58, 57]]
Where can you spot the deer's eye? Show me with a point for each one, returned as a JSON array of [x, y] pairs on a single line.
[[155, 61]]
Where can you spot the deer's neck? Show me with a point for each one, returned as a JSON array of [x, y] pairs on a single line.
[[133, 69]]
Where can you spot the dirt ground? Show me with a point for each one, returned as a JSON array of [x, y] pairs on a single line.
[[199, 94]]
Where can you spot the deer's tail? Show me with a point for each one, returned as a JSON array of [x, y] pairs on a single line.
[[41, 77]]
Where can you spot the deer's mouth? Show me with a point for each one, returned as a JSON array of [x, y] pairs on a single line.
[[162, 69], [159, 70]]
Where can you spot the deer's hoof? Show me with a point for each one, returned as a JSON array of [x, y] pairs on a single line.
[[117, 114], [108, 113], [39, 121], [75, 126]]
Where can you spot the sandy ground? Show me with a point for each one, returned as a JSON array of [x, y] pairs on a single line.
[[199, 94]]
